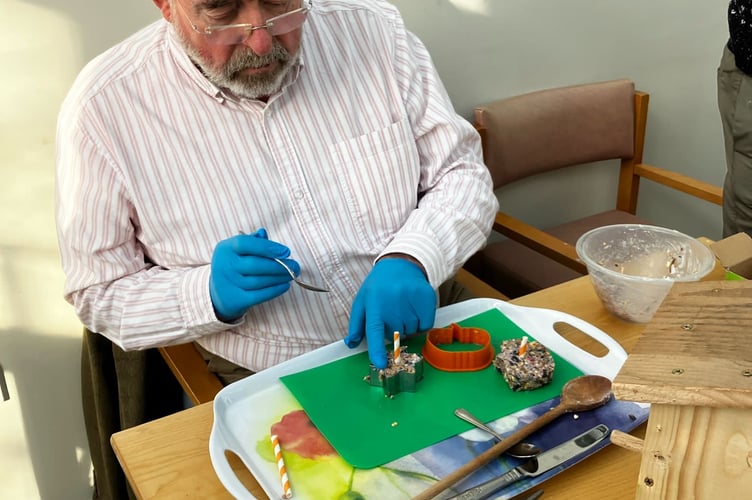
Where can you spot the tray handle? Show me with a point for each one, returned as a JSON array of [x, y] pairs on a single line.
[[539, 323], [222, 467]]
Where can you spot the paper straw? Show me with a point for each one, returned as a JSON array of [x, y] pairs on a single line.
[[283, 479], [523, 346], [397, 358]]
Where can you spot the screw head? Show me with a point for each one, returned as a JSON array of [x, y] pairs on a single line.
[[677, 371]]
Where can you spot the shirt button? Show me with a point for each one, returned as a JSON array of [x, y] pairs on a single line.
[[299, 194]]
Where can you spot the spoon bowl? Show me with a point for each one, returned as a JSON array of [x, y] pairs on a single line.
[[298, 281]]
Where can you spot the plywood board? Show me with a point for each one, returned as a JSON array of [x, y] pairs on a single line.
[[697, 349]]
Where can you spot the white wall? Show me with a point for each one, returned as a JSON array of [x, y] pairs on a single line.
[[43, 450], [484, 49], [487, 49]]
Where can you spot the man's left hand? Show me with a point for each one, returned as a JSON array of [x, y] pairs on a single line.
[[395, 296]]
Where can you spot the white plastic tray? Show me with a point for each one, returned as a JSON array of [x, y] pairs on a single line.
[[245, 410]]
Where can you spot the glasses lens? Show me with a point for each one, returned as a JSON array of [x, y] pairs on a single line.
[[286, 22], [279, 25], [228, 36], [278, 8]]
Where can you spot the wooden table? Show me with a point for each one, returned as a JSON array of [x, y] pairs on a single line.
[[169, 457]]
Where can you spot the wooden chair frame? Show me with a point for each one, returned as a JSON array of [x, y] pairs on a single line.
[[189, 368], [202, 386], [631, 171]]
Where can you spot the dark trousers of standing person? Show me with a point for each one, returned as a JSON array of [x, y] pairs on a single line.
[[735, 107]]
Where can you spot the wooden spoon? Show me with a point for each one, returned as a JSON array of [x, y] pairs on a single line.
[[579, 394]]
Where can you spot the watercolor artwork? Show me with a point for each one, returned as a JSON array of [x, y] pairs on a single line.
[[316, 471]]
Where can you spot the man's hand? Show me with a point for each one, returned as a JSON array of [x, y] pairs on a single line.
[[243, 273], [395, 296]]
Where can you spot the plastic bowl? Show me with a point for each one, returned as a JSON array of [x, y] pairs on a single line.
[[633, 266]]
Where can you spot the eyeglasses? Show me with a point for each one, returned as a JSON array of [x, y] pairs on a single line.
[[233, 34]]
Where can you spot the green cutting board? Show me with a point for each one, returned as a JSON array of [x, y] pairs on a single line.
[[368, 429]]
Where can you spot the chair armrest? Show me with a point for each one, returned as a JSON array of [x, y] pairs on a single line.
[[477, 286], [540, 241], [190, 369], [700, 189]]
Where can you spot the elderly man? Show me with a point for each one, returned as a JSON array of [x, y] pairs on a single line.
[[201, 154]]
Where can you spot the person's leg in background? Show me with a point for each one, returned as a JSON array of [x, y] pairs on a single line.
[[735, 107]]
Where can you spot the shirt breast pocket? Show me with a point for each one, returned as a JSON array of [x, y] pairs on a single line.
[[378, 174]]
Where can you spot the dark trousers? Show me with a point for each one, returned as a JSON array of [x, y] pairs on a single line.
[[734, 98], [120, 390]]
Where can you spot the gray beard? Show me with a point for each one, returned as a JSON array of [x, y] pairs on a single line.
[[255, 86]]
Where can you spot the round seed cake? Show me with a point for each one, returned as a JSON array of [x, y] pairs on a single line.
[[523, 372]]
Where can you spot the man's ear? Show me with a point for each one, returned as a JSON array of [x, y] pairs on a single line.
[[164, 7]]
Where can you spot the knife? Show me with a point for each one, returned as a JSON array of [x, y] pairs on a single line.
[[538, 464]]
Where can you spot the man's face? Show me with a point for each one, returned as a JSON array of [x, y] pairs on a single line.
[[253, 68]]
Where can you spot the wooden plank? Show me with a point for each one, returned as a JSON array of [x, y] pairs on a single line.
[[696, 349], [693, 452]]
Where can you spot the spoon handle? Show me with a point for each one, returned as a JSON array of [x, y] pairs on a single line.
[[468, 417], [491, 453]]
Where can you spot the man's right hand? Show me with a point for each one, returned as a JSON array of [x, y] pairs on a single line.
[[244, 273]]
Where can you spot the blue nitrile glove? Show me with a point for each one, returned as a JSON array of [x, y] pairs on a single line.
[[243, 273], [395, 296]]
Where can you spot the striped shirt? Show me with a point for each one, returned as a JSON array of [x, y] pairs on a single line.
[[359, 154]]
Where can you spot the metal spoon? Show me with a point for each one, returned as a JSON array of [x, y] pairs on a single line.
[[298, 281], [522, 449], [301, 283]]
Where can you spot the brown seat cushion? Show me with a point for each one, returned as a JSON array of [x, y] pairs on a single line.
[[516, 270]]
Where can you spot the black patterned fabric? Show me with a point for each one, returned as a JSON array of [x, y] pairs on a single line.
[[740, 33]]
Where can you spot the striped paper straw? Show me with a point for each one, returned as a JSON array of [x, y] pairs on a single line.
[[523, 346], [396, 358], [283, 479]]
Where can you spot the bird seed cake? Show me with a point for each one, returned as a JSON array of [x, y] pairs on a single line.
[[524, 365]]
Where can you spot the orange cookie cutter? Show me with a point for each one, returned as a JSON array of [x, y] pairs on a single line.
[[458, 361]]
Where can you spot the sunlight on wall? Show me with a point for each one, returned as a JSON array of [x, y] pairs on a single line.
[[38, 329], [472, 6]]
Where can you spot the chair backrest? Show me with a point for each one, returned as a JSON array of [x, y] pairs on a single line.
[[550, 129]]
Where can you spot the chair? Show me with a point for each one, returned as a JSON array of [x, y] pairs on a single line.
[[539, 132], [189, 368]]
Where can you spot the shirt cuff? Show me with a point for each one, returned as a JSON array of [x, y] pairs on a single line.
[[196, 305], [425, 251]]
